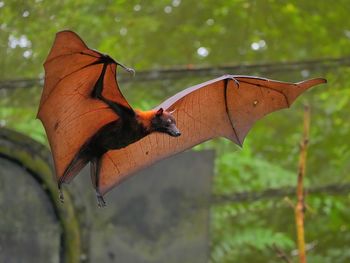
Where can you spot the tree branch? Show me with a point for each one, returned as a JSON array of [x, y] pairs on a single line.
[[334, 189], [300, 206], [191, 71], [281, 254]]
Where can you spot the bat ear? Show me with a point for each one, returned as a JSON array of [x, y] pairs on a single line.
[[171, 112], [159, 112]]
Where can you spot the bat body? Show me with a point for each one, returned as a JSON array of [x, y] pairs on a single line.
[[129, 128], [88, 120]]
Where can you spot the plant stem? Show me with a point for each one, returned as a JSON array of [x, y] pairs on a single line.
[[300, 206]]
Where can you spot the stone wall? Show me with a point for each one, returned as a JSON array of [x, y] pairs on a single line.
[[159, 215]]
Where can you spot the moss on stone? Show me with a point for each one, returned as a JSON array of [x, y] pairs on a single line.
[[36, 159]]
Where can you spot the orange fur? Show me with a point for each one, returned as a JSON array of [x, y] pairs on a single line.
[[145, 118]]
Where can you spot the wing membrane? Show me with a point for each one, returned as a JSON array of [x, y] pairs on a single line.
[[224, 107], [68, 111]]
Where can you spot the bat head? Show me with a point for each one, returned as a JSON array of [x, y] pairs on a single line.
[[163, 121]]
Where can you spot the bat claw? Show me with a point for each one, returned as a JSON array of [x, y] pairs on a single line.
[[130, 70], [235, 81], [61, 196], [100, 201]]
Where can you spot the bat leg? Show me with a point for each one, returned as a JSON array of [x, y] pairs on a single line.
[[95, 172], [78, 163]]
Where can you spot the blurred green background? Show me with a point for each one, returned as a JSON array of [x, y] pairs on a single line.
[[158, 35]]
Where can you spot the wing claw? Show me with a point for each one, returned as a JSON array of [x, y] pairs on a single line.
[[234, 80], [130, 70]]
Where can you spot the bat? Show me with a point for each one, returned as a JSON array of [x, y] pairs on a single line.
[[88, 120]]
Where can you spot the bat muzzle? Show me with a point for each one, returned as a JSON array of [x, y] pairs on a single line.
[[174, 131]]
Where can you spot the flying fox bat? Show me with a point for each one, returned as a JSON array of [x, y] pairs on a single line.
[[88, 120]]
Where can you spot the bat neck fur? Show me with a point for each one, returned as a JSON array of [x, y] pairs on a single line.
[[145, 118]]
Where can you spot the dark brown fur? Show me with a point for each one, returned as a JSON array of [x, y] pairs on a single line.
[[116, 135]]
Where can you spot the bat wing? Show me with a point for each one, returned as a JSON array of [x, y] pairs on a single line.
[[224, 107], [67, 109]]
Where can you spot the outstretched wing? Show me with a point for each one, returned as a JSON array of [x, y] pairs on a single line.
[[227, 106], [67, 109]]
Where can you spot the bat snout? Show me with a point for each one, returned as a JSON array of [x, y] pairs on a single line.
[[177, 134], [174, 131]]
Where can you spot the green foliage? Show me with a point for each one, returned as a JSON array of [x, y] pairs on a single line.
[[166, 33], [161, 34], [244, 175]]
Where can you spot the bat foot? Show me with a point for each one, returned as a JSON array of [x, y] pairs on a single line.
[[100, 201], [61, 196]]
